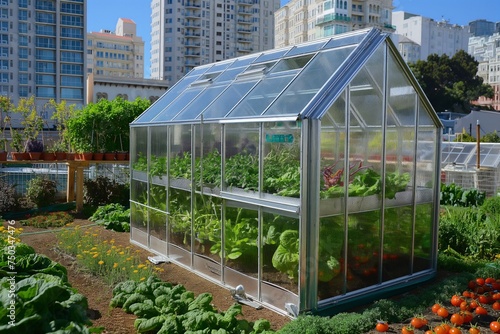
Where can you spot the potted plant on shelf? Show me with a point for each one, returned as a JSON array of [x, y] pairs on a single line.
[[35, 149]]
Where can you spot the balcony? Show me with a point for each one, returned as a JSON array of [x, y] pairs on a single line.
[[244, 2], [243, 21], [332, 18], [244, 40], [243, 30], [192, 24], [192, 4], [192, 14], [244, 12], [192, 54]]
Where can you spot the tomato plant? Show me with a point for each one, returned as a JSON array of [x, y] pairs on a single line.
[[382, 326], [496, 306], [480, 281]]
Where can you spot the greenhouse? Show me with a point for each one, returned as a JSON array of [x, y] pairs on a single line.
[[462, 165], [295, 174]]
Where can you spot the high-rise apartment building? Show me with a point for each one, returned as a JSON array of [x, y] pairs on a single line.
[[433, 37], [188, 33], [481, 28], [299, 21], [485, 49], [116, 54], [42, 45]]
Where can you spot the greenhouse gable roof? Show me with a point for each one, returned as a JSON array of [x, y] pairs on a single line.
[[291, 82]]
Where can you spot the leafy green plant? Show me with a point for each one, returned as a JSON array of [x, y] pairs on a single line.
[[165, 308], [102, 190], [286, 257], [112, 216], [41, 191], [454, 195]]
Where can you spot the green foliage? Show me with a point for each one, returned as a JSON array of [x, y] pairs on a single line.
[[454, 195], [469, 232], [104, 126], [165, 308], [451, 82], [491, 137], [286, 256], [113, 216], [7, 196], [41, 191], [43, 303], [103, 190]]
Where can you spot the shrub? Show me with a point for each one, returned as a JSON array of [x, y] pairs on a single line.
[[469, 232], [456, 196], [103, 190], [7, 196], [41, 191], [113, 216]]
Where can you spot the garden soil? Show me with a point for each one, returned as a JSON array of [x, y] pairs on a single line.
[[115, 320]]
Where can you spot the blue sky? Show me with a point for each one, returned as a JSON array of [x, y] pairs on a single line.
[[103, 14]]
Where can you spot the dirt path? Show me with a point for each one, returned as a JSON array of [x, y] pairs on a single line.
[[99, 294]]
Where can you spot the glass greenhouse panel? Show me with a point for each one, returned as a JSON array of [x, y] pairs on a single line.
[[398, 234], [200, 103], [138, 223], [280, 258], [211, 163], [240, 247], [179, 224], [157, 230], [308, 82], [282, 159], [241, 163], [158, 159], [261, 96], [182, 100], [166, 99], [207, 230], [227, 100]]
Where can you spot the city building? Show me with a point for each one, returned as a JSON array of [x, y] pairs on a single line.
[[433, 37], [299, 21], [42, 45], [109, 88], [194, 32], [485, 50], [118, 53], [481, 28]]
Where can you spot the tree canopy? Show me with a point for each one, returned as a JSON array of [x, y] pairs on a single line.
[[451, 83]]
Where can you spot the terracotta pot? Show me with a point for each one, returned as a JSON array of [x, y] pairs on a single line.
[[35, 155], [62, 156], [109, 156], [19, 156], [3, 156], [98, 156], [84, 156], [49, 156], [70, 156], [121, 156]]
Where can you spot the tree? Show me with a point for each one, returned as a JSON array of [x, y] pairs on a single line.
[[451, 83]]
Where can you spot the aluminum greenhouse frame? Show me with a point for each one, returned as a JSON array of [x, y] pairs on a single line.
[[266, 171]]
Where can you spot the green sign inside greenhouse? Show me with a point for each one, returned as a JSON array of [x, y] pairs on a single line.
[[278, 138]]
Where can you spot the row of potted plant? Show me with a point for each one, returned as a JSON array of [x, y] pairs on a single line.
[[99, 131]]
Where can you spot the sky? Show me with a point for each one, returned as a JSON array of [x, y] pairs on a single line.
[[104, 14]]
